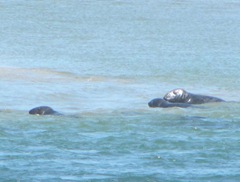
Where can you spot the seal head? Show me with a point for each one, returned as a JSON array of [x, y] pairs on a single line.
[[42, 110], [182, 96], [177, 95]]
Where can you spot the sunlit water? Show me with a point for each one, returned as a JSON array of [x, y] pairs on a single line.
[[100, 63]]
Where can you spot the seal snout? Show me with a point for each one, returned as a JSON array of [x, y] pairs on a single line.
[[150, 104], [169, 95], [155, 102]]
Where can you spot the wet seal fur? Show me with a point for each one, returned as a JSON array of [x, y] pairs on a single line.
[[182, 96], [43, 110], [158, 102]]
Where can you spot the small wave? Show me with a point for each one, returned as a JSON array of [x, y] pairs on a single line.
[[50, 75]]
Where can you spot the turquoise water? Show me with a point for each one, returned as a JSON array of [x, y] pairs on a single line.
[[100, 63]]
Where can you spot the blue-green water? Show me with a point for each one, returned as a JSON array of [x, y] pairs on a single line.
[[99, 63]]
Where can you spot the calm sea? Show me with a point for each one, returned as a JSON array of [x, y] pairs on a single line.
[[99, 62]]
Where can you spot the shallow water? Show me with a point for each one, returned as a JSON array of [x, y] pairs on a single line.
[[100, 63]]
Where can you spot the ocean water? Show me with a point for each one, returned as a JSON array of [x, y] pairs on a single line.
[[100, 63]]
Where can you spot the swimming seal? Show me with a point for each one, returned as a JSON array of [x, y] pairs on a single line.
[[182, 96], [43, 110], [158, 102]]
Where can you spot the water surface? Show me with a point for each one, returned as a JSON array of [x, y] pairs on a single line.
[[100, 63]]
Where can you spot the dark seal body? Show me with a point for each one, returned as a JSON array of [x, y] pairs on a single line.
[[43, 110], [182, 96], [158, 102]]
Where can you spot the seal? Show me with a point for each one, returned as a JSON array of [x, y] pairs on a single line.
[[43, 110], [158, 102], [182, 96]]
